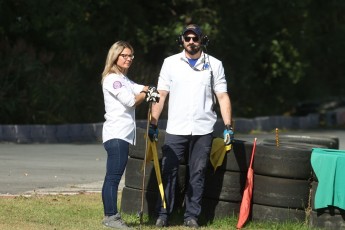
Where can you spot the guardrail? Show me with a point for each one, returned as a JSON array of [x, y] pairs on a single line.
[[92, 132]]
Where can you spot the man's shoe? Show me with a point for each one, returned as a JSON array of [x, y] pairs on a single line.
[[161, 223], [114, 221], [191, 223]]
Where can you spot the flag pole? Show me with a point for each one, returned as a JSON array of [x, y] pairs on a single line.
[[140, 214], [247, 193]]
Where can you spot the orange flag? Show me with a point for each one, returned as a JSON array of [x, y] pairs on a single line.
[[247, 194]]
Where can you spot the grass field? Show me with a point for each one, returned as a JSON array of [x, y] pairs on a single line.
[[85, 211]]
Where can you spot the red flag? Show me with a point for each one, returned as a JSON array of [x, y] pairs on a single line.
[[247, 194]]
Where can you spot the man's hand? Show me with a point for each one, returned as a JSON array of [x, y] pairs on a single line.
[[153, 132], [228, 135], [152, 94]]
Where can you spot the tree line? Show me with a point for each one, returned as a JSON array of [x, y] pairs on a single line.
[[275, 53]]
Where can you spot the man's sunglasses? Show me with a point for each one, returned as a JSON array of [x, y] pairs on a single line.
[[195, 39]]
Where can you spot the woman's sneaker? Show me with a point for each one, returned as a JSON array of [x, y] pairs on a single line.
[[114, 221]]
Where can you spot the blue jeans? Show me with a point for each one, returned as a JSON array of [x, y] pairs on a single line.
[[117, 151], [174, 149]]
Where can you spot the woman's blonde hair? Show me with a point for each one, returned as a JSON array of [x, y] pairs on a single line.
[[113, 54]]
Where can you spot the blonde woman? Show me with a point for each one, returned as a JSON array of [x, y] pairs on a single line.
[[121, 96]]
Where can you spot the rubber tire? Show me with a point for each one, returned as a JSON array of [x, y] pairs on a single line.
[[271, 142], [284, 161], [276, 214], [329, 141], [134, 176], [138, 150], [327, 220], [215, 209], [131, 201], [281, 192], [294, 145], [238, 158], [224, 185], [211, 209]]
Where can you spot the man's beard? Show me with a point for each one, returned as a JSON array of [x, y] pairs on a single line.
[[193, 49]]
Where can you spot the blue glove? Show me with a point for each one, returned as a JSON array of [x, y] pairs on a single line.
[[228, 135], [153, 132]]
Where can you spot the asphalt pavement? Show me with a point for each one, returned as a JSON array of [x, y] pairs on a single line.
[[27, 169], [51, 168]]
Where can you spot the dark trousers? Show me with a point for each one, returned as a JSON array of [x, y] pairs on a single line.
[[117, 151], [174, 149]]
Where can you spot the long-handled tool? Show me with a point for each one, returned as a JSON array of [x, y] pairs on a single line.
[[144, 167]]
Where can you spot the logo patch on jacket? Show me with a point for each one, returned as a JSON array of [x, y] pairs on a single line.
[[117, 84]]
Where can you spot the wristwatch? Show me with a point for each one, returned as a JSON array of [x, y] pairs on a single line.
[[228, 127]]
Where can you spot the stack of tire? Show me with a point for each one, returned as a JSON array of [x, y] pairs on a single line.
[[223, 187], [132, 191], [282, 177]]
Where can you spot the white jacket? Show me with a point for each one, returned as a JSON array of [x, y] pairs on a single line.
[[119, 99]]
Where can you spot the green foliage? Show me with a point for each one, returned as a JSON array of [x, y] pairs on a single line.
[[275, 53]]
